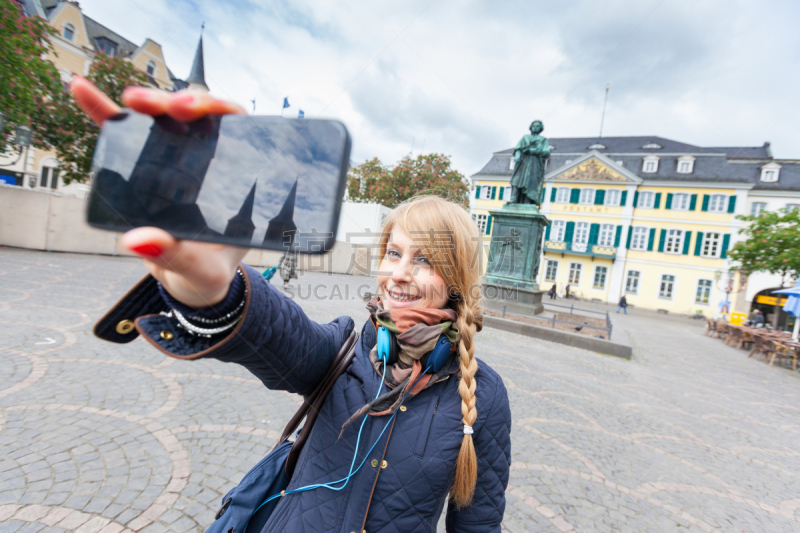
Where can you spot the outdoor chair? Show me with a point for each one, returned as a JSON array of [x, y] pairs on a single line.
[[746, 339], [711, 328], [759, 346], [734, 336], [783, 353]]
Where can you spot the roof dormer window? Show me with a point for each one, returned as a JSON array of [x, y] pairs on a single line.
[[685, 164], [650, 164], [511, 164], [597, 146], [106, 46], [651, 146], [770, 172], [69, 31], [151, 68]]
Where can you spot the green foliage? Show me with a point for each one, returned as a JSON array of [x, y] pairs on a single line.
[[26, 79], [63, 126], [372, 181], [771, 244]]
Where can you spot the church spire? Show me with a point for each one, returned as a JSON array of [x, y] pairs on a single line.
[[282, 228], [241, 226], [197, 77]]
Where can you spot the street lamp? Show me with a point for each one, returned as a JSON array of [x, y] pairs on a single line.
[[22, 138]]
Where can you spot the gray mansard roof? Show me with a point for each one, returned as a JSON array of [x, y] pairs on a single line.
[[727, 164]]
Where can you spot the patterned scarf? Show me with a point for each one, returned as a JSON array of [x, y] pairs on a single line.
[[416, 331]]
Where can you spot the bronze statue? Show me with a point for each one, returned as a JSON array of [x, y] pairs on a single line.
[[530, 157]]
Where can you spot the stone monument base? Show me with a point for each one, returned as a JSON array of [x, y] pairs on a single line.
[[515, 299]]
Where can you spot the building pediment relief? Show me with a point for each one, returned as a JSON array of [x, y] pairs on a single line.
[[592, 170]]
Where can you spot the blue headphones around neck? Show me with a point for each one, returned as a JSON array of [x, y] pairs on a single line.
[[388, 350]]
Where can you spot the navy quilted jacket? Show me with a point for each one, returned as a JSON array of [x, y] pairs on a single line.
[[403, 485]]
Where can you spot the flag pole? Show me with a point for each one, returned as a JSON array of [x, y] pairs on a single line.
[[603, 116]]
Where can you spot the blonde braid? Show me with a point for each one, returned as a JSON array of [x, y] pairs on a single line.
[[467, 464]]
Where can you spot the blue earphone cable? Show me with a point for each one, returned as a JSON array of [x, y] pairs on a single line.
[[352, 472]]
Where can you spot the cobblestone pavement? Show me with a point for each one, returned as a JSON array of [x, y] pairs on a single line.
[[689, 435]]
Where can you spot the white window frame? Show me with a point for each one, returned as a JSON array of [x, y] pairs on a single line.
[[607, 234], [712, 244], [685, 164], [706, 286], [71, 28], [652, 146], [674, 244], [481, 219], [650, 196], [562, 195], [684, 195], [671, 282], [756, 208], [792, 207], [770, 173], [597, 146], [587, 196], [486, 192], [719, 206], [547, 269], [507, 193], [613, 197], [581, 233], [604, 278], [636, 279], [151, 63], [576, 269], [650, 164], [557, 230], [639, 238]]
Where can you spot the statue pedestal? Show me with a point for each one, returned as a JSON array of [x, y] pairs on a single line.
[[514, 254]]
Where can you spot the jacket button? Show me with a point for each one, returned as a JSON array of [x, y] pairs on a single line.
[[374, 463], [402, 407], [223, 509], [124, 327], [384, 464], [166, 335]]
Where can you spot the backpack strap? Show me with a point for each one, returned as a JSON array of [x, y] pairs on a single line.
[[313, 402]]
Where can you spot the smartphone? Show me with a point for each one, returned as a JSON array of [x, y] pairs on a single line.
[[249, 181]]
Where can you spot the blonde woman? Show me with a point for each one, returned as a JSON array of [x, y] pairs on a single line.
[[448, 443]]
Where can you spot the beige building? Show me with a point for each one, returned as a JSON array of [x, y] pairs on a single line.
[[77, 43]]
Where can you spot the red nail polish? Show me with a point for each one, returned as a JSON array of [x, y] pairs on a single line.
[[148, 249]]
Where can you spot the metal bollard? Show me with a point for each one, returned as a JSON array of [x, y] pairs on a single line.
[[504, 310], [554, 321]]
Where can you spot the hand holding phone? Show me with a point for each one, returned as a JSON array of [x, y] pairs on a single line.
[[194, 273]]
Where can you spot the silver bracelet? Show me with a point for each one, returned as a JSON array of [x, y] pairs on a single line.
[[206, 332]]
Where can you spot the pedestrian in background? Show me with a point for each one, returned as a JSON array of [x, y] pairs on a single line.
[[288, 267], [566, 291], [758, 318], [623, 304], [552, 292]]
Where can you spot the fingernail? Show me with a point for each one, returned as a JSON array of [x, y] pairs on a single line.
[[183, 98], [148, 249]]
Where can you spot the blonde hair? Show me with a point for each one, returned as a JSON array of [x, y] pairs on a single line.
[[448, 237]]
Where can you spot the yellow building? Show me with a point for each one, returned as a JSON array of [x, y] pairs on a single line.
[[646, 217], [74, 48]]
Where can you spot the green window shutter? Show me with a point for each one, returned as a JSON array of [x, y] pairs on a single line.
[[541, 198], [594, 233], [618, 236], [489, 225], [693, 203], [630, 236], [635, 198], [494, 192], [623, 198], [599, 197], [657, 201], [667, 205], [501, 192], [478, 192], [574, 196], [726, 242], [698, 246], [706, 198], [651, 240], [547, 232], [569, 231], [662, 240], [687, 238], [731, 204], [553, 193]]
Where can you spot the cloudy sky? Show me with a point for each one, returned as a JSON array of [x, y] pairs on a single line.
[[466, 78]]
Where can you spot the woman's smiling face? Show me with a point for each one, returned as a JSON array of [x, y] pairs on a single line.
[[406, 279]]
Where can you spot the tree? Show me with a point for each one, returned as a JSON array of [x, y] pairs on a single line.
[[771, 244], [26, 79], [372, 181], [62, 126]]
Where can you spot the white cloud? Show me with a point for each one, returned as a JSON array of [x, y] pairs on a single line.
[[468, 77]]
